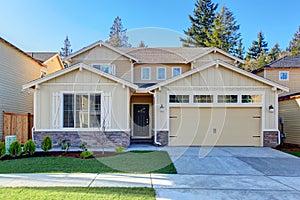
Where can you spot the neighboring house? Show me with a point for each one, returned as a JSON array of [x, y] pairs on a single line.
[[173, 96], [51, 60], [16, 68], [286, 71]]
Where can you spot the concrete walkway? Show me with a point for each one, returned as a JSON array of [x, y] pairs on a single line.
[[203, 173]]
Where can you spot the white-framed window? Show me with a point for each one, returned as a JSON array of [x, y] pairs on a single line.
[[284, 76], [82, 110], [146, 73], [179, 98], [227, 98], [108, 68], [161, 73], [246, 98], [203, 98], [176, 71]]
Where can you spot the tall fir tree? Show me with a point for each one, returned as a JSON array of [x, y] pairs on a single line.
[[202, 22], [274, 53], [240, 51], [142, 44], [66, 49], [117, 34], [224, 34], [257, 47], [294, 46]]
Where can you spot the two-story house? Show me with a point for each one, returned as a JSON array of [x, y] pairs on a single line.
[[172, 96], [286, 71]]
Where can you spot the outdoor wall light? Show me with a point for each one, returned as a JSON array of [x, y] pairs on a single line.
[[271, 109], [162, 108]]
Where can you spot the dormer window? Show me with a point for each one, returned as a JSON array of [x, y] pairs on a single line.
[[283, 76], [107, 68]]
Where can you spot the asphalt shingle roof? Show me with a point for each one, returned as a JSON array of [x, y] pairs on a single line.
[[285, 62]]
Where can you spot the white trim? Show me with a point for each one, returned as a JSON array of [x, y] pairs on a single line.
[[224, 64], [35, 108], [80, 84], [132, 71], [142, 69], [75, 67], [83, 129], [157, 73], [265, 73], [288, 76], [180, 69], [270, 130], [150, 120], [112, 67]]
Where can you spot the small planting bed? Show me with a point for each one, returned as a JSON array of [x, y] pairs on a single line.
[[290, 148]]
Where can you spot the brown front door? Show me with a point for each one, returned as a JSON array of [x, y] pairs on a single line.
[[141, 121]]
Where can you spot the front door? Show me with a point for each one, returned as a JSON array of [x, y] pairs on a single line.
[[141, 121]]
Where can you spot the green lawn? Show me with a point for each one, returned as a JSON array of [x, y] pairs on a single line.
[[295, 153], [77, 193], [131, 162]]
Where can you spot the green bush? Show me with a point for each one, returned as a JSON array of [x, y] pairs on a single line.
[[83, 146], [29, 147], [47, 143], [64, 145], [86, 154], [2, 149], [15, 149], [119, 149]]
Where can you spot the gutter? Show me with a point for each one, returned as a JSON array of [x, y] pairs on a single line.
[[155, 119]]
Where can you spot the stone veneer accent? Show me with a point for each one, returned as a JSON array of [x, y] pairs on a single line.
[[93, 138], [270, 138], [163, 137]]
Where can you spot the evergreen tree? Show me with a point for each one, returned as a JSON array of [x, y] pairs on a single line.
[[224, 34], [257, 47], [202, 22], [274, 53], [142, 44], [294, 46], [66, 50], [240, 50], [117, 35]]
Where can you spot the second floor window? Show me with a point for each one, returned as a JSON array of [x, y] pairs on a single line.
[[161, 73], [283, 76], [108, 68], [176, 71], [146, 73]]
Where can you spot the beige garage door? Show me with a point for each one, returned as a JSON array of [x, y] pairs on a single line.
[[215, 126]]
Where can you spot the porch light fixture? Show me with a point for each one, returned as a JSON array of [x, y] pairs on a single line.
[[162, 108], [271, 109]]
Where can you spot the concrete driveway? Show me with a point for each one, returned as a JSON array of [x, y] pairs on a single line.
[[230, 173]]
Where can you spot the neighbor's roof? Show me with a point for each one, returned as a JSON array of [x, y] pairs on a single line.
[[42, 56], [284, 62], [290, 96], [16, 48]]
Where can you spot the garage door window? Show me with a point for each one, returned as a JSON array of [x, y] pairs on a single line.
[[251, 98], [227, 98], [179, 98], [203, 98]]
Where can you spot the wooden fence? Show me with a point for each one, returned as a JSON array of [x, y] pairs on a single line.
[[19, 125]]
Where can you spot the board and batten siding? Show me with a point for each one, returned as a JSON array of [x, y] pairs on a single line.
[[290, 111], [16, 70], [217, 81], [81, 81]]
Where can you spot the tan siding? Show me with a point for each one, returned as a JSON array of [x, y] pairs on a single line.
[[260, 73], [82, 81], [293, 83], [16, 70], [137, 71], [212, 57], [290, 111], [53, 65]]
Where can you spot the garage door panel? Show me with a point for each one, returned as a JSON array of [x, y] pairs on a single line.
[[215, 126]]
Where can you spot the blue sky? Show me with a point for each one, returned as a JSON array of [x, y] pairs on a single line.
[[41, 25]]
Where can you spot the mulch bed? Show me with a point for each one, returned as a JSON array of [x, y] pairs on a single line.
[[288, 147], [72, 154]]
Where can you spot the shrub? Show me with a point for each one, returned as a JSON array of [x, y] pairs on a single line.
[[119, 149], [86, 154], [2, 149], [47, 143], [64, 145], [83, 146], [29, 147], [15, 149]]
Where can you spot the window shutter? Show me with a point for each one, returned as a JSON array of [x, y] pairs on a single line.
[[56, 110], [107, 110]]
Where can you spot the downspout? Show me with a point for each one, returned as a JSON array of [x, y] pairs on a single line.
[[155, 119]]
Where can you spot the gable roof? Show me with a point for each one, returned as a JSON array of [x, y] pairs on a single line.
[[22, 52], [75, 67], [284, 62], [224, 64], [100, 43], [42, 56]]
